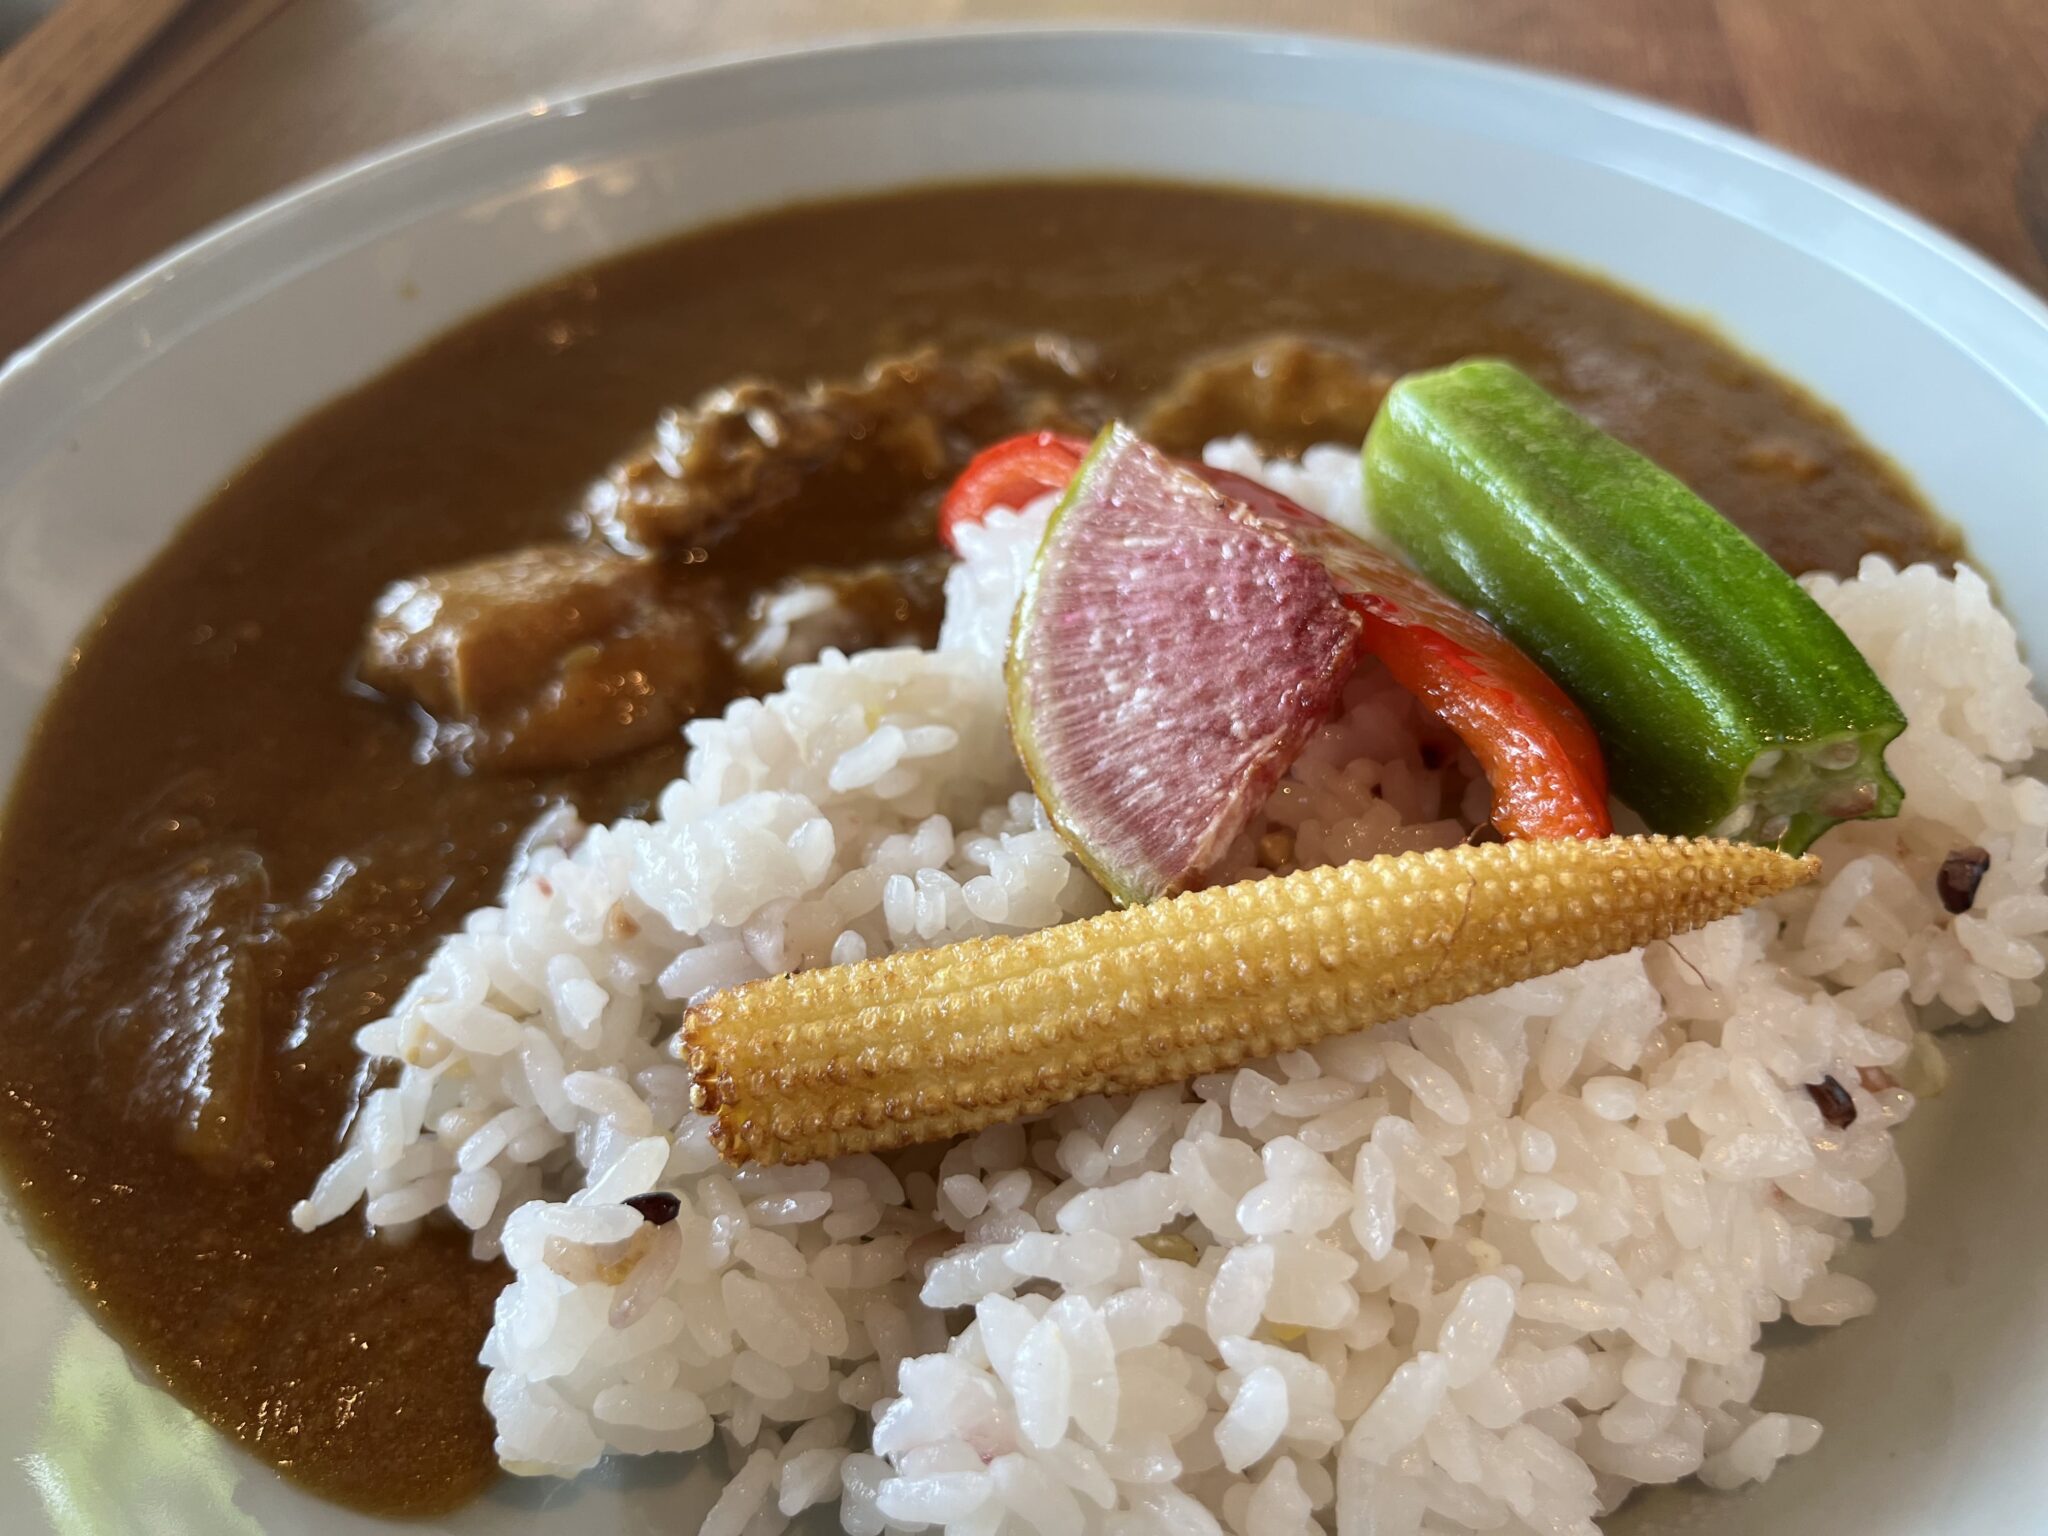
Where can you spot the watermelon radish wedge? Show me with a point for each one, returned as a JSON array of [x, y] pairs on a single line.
[[1169, 658], [1540, 755]]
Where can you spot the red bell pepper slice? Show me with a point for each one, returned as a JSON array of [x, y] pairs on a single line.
[[1009, 474], [1539, 753]]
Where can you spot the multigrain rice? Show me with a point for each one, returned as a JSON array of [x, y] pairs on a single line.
[[1488, 1270]]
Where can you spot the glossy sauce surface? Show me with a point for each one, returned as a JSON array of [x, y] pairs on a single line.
[[222, 855]]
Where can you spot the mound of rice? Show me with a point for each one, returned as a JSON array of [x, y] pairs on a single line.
[[1487, 1271]]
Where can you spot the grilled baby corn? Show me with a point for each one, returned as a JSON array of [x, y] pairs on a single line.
[[931, 1043]]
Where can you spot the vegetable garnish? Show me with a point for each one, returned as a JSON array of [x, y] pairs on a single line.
[[925, 1044], [1538, 751], [1728, 702], [1168, 661], [1009, 474]]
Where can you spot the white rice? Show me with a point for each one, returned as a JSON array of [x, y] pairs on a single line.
[[1486, 1271]]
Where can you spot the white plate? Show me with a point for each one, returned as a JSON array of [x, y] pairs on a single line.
[[122, 420]]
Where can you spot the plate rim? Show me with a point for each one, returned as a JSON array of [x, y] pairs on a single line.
[[254, 222]]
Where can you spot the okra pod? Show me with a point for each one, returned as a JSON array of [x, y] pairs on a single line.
[[1728, 702]]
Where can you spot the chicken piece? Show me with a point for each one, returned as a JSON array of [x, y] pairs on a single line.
[[1287, 392], [564, 655], [1055, 384], [555, 656], [903, 427]]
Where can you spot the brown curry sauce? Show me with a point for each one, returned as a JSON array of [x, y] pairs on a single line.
[[222, 856]]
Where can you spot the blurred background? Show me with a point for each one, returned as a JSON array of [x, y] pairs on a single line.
[[127, 125]]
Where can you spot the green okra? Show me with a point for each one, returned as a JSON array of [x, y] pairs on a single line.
[[1727, 701]]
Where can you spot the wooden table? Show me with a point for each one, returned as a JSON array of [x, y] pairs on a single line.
[[1941, 104]]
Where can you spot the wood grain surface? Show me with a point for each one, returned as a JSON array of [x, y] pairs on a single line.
[[51, 76], [1939, 104]]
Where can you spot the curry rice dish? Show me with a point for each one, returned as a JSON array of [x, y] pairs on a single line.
[[428, 667]]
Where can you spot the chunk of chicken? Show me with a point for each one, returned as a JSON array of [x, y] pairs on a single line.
[[1287, 392], [553, 656], [563, 655], [905, 426]]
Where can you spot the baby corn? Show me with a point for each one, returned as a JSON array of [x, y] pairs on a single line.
[[932, 1043]]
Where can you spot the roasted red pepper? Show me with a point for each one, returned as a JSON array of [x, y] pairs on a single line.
[[1539, 754], [1008, 474]]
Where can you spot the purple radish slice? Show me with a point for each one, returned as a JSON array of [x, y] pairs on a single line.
[[1168, 661]]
